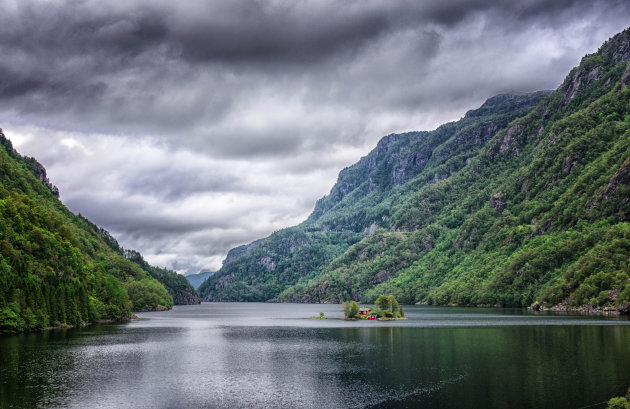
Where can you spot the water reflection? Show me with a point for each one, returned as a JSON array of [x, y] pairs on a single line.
[[261, 355]]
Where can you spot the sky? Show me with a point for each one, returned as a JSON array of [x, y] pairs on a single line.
[[187, 128]]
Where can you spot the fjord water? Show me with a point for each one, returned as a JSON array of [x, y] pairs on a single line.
[[274, 355]]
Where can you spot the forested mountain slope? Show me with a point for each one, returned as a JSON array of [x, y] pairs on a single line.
[[362, 200], [57, 268], [537, 209]]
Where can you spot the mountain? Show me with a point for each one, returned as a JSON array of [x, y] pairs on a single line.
[[526, 199], [58, 268], [197, 279], [361, 202], [177, 285]]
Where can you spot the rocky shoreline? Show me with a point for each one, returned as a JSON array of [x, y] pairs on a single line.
[[621, 309]]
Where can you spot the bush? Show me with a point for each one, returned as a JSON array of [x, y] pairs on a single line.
[[618, 403], [350, 308]]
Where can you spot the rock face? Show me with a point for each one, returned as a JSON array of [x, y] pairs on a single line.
[[268, 263], [186, 297], [399, 158], [40, 173], [498, 202], [625, 80], [592, 71], [618, 192], [580, 79], [37, 168], [510, 139], [618, 47]]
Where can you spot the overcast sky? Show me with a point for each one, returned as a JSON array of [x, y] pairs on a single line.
[[186, 128]]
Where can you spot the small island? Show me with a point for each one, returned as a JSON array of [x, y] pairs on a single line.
[[386, 308]]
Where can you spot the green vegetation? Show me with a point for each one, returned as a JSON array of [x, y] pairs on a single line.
[[57, 268], [350, 309], [177, 285], [361, 201], [260, 271], [321, 316], [525, 199], [388, 307], [622, 402]]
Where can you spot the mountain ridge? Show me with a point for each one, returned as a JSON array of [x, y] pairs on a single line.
[[512, 224], [391, 162]]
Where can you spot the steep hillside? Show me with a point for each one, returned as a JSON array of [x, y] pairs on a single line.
[[540, 215], [362, 200], [57, 268], [525, 199]]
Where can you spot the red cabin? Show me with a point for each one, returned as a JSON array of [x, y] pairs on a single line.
[[365, 311]]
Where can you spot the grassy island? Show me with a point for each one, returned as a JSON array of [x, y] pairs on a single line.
[[386, 307]]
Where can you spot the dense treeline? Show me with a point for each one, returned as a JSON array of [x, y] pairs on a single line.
[[498, 210], [57, 268]]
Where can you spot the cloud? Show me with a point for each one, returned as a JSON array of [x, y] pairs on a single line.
[[189, 128]]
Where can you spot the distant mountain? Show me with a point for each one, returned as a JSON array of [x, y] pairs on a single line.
[[196, 279], [526, 199], [57, 268]]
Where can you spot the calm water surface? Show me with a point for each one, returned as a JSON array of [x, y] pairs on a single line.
[[274, 356]]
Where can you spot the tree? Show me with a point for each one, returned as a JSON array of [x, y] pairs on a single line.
[[382, 302], [393, 304], [387, 303], [350, 308]]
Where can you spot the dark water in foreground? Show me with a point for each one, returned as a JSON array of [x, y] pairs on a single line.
[[274, 355]]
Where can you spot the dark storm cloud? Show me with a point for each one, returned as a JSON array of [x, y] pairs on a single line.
[[104, 61], [187, 128]]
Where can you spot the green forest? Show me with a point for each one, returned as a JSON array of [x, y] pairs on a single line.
[[524, 200], [59, 269]]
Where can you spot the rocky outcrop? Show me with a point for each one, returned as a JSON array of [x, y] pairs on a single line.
[[498, 202], [40, 173], [593, 68], [382, 276], [268, 263], [186, 297], [37, 168], [580, 78], [570, 163], [625, 80], [618, 47], [617, 192], [510, 139], [399, 158]]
